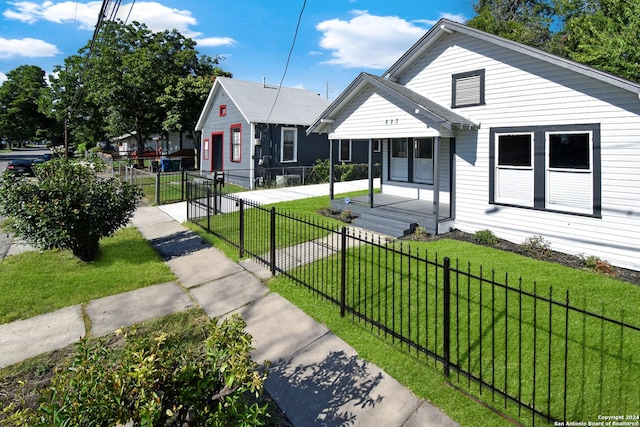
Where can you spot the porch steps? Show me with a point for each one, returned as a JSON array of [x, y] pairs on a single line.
[[384, 223]]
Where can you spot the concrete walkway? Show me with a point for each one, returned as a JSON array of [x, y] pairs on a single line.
[[316, 378]]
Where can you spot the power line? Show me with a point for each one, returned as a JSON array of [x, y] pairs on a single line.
[[286, 67]]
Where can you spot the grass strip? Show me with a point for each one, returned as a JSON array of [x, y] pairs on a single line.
[[35, 282]]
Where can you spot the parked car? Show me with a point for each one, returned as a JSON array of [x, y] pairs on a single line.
[[25, 166]]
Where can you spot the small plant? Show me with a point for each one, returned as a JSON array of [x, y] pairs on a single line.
[[156, 380], [346, 216], [536, 246], [597, 265], [420, 231], [486, 237]]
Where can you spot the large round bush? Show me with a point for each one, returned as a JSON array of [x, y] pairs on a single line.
[[67, 206]]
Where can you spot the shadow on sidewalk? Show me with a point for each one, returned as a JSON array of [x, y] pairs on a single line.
[[329, 393]]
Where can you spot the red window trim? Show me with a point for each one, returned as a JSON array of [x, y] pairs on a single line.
[[223, 110]]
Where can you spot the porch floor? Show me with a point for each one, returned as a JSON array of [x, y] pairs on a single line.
[[392, 215]]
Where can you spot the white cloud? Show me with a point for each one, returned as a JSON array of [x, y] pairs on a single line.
[[26, 48], [368, 41], [154, 15], [216, 41], [84, 14], [3, 77], [450, 16]]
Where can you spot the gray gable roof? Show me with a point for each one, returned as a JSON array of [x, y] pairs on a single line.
[[260, 103]]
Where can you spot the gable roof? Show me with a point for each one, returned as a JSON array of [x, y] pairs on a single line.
[[445, 27], [434, 111], [256, 102]]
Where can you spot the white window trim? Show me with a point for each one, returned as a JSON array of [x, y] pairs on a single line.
[[549, 171], [295, 145], [499, 167], [340, 159]]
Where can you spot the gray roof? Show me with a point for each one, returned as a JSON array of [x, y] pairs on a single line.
[[260, 103]]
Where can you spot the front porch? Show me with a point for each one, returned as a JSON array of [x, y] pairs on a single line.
[[395, 216]]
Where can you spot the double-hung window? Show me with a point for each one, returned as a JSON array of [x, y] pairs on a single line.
[[569, 171], [236, 143], [288, 145], [514, 169], [345, 150], [555, 168]]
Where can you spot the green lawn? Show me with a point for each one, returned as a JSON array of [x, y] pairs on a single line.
[[493, 334], [33, 283]]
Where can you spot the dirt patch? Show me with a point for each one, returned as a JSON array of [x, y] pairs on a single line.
[[572, 261]]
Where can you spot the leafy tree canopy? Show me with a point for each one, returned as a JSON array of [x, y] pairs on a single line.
[[600, 33], [20, 118]]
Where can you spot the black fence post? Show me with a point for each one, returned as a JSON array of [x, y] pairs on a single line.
[[241, 244], [158, 188], [182, 184], [343, 272], [447, 316], [208, 191], [272, 240]]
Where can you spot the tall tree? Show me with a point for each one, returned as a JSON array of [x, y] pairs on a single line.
[[603, 34], [20, 118], [524, 21], [183, 102], [129, 72]]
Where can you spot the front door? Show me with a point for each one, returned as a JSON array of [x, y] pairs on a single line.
[[216, 152]]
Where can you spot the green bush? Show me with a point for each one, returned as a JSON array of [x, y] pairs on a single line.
[[536, 246], [597, 265], [486, 237], [342, 172], [157, 381], [67, 207]]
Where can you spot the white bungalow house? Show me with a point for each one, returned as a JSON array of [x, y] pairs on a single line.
[[493, 134]]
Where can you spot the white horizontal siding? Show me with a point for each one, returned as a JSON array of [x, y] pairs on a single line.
[[371, 115], [521, 91]]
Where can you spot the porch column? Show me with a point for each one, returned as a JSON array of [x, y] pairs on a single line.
[[370, 176], [436, 180], [331, 169]]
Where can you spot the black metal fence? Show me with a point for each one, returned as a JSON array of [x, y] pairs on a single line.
[[508, 343]]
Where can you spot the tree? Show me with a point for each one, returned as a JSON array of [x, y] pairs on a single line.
[[183, 102], [20, 118], [524, 21], [603, 34], [67, 207], [65, 100], [129, 72]]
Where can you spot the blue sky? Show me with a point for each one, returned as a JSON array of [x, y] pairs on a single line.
[[337, 39]]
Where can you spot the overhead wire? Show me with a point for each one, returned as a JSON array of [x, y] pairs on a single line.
[[286, 67]]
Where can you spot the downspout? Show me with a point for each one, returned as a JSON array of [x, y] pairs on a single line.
[[252, 157], [331, 178], [370, 173], [436, 181]]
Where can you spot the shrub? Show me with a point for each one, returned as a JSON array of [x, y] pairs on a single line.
[[158, 381], [486, 237], [67, 207], [598, 265], [536, 246]]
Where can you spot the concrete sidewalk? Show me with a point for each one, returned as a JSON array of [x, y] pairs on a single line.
[[316, 378]]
